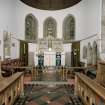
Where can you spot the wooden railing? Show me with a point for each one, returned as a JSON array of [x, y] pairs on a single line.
[[91, 92], [11, 88], [64, 71]]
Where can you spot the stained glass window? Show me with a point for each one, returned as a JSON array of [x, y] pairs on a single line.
[[69, 28], [50, 27], [31, 28]]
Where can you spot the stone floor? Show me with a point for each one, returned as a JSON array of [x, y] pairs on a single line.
[[50, 94]]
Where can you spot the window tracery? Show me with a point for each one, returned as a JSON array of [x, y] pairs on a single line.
[[30, 28], [69, 28], [50, 27]]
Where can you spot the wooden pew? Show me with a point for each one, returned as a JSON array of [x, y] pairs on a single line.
[[8, 64]]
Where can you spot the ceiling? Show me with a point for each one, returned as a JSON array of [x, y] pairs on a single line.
[[51, 4]]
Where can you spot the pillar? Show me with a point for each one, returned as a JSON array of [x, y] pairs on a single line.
[[22, 85], [76, 85], [0, 71]]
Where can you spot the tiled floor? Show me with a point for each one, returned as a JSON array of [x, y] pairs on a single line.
[[48, 94]]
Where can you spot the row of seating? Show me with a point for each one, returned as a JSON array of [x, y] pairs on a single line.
[[7, 66]]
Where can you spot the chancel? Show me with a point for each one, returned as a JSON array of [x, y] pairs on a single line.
[[52, 52]]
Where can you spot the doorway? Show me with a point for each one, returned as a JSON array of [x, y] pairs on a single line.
[[40, 60], [24, 52], [75, 54], [58, 59]]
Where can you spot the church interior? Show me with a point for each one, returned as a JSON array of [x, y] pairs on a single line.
[[52, 52]]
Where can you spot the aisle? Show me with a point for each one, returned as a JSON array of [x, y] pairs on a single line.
[[49, 95], [48, 89]]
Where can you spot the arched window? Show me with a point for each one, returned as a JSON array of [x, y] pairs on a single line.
[[31, 25], [94, 53], [84, 52], [50, 27], [69, 28], [89, 54]]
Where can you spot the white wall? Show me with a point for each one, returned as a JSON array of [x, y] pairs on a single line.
[[41, 15], [1, 44], [33, 48], [7, 15], [7, 19], [13, 12], [92, 17], [15, 45], [92, 25], [90, 40], [87, 14]]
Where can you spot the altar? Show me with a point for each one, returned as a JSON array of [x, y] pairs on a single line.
[[52, 50], [49, 58]]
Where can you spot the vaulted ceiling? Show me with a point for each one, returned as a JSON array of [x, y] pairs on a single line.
[[50, 4]]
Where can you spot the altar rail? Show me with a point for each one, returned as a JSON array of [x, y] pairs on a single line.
[[89, 90], [35, 71], [11, 88]]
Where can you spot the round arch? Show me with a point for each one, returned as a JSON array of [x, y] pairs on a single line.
[[94, 53], [69, 28], [84, 52], [89, 54], [31, 28], [50, 28]]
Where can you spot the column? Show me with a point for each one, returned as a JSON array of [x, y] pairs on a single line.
[[6, 98], [103, 27], [76, 85], [0, 71], [22, 85]]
